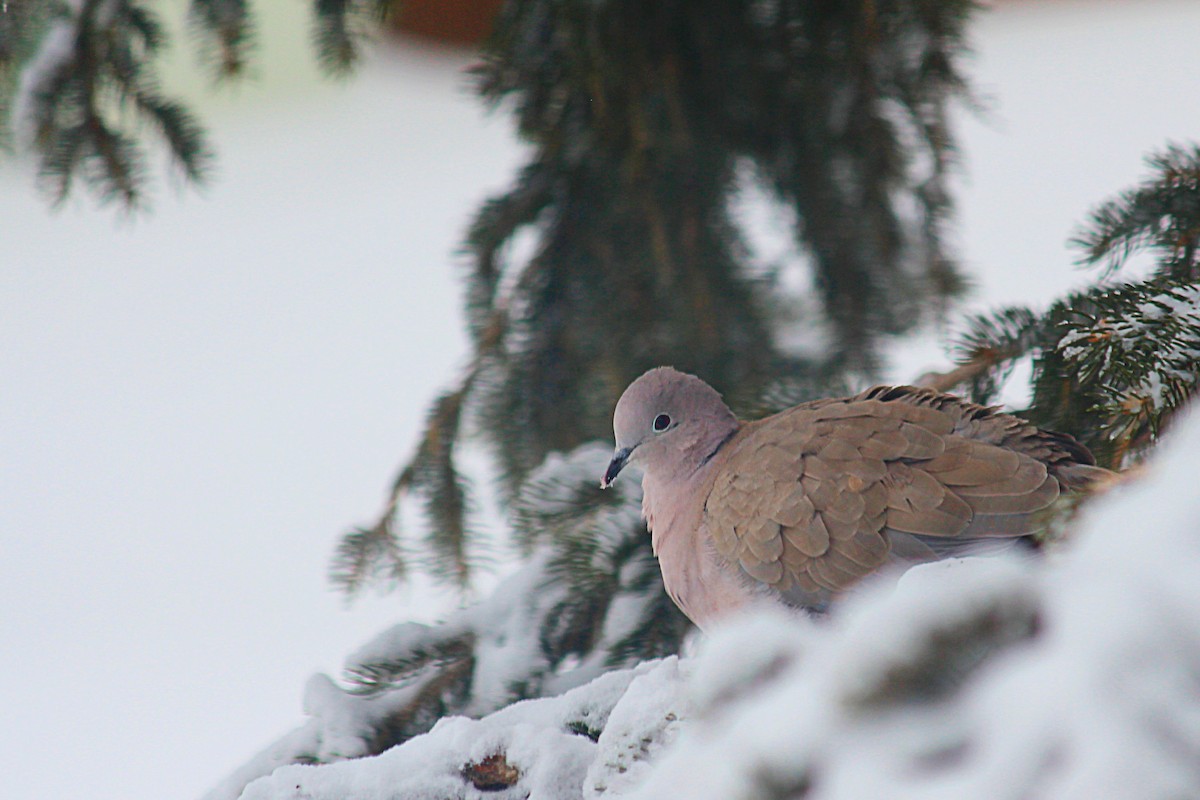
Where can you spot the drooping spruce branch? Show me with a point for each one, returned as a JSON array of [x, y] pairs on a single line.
[[225, 30], [79, 83], [645, 119], [589, 598], [1113, 363], [641, 115], [375, 554], [21, 28], [1161, 215], [91, 69], [340, 27]]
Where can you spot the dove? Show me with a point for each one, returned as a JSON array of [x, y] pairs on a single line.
[[798, 507]]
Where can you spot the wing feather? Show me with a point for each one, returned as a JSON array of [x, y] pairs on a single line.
[[809, 500]]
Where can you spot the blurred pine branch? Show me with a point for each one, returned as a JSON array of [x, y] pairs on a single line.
[[1114, 363]]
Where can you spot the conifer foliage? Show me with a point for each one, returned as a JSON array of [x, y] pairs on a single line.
[[1113, 363], [88, 94], [644, 118], [94, 65], [225, 31], [617, 249], [340, 28]]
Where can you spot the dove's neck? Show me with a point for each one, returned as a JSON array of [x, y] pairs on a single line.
[[673, 503], [674, 488], [694, 451]]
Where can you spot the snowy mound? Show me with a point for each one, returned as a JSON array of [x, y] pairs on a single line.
[[1077, 676]]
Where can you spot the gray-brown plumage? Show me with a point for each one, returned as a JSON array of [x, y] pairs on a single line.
[[801, 505]]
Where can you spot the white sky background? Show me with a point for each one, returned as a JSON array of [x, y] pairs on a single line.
[[195, 404]]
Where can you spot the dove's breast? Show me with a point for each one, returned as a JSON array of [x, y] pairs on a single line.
[[697, 579]]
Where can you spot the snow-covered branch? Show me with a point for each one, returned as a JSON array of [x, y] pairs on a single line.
[[1074, 676]]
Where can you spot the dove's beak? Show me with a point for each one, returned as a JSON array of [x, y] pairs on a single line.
[[615, 466]]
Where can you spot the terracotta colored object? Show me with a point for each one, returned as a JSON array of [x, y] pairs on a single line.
[[465, 23]]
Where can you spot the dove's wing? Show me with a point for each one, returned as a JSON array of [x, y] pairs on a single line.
[[812, 498]]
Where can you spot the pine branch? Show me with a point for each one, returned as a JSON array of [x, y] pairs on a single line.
[[641, 117], [177, 126], [112, 164], [994, 343], [434, 474], [1114, 363], [88, 85], [225, 30], [656, 634], [1140, 349], [341, 27], [1162, 215], [94, 62], [599, 559], [432, 650], [444, 689], [495, 224], [21, 28], [589, 598], [968, 371], [368, 555]]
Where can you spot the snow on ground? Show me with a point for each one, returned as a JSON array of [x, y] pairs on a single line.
[[413, 665], [1068, 677], [549, 742]]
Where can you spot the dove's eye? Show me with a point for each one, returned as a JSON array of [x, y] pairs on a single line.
[[661, 422]]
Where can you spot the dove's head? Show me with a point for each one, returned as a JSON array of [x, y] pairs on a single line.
[[668, 422]]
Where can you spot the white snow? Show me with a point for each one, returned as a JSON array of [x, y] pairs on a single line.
[[55, 54], [195, 404], [1073, 676], [545, 740], [1176, 340], [644, 722]]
